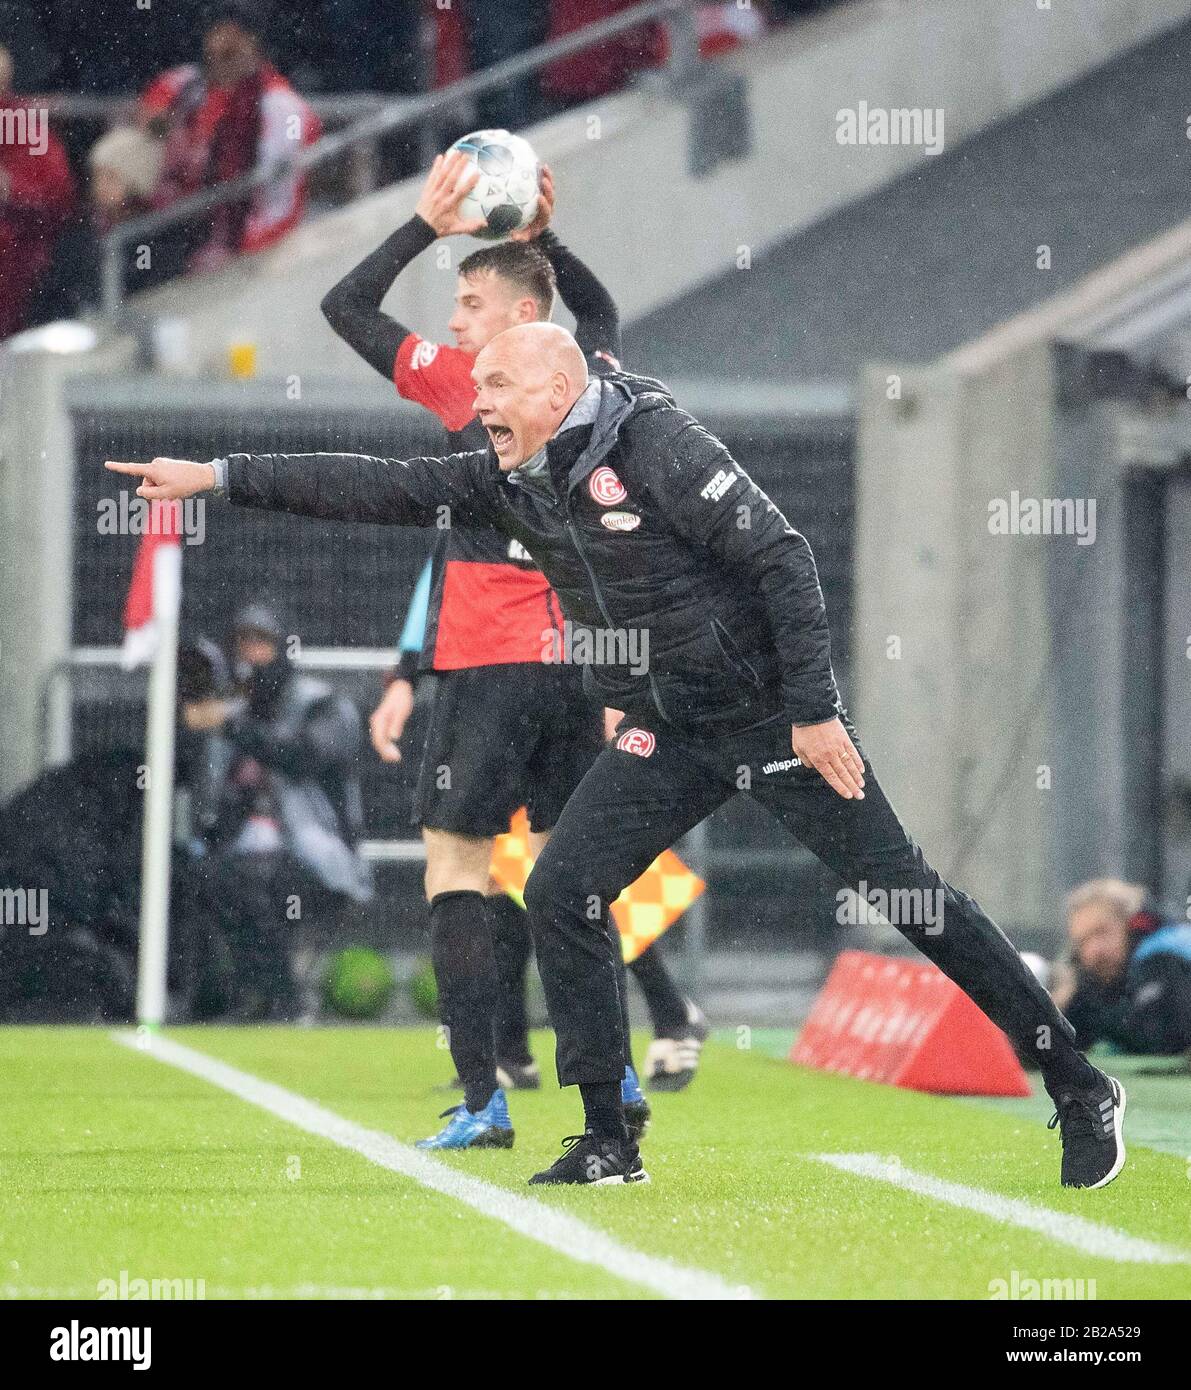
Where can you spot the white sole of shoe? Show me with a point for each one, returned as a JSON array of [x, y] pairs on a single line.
[[617, 1181], [1118, 1124]]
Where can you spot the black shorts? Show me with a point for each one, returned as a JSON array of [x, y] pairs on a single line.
[[502, 737]]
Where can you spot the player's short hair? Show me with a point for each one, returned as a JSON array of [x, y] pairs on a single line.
[[1121, 898], [522, 264]]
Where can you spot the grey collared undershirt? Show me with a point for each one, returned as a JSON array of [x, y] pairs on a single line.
[[583, 412]]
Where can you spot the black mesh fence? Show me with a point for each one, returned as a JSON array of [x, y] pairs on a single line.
[[338, 585]]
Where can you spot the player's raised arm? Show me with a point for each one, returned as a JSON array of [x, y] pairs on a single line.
[[597, 319], [352, 306], [456, 490]]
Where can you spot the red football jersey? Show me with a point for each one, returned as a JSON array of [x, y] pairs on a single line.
[[489, 603]]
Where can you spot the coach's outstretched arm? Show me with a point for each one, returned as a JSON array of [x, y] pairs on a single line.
[[451, 491]]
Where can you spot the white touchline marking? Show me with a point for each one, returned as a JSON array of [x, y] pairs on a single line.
[[1103, 1241], [535, 1220]]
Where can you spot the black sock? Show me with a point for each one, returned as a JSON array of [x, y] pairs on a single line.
[[512, 945], [602, 1109], [465, 971], [663, 998]]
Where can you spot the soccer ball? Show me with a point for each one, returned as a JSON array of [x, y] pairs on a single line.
[[506, 195]]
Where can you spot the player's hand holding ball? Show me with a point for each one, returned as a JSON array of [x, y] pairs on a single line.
[[167, 480], [489, 184], [452, 177], [545, 209], [827, 748]]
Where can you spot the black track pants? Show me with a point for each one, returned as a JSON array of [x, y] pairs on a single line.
[[631, 806]]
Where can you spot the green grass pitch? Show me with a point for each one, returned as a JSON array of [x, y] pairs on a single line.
[[113, 1161]]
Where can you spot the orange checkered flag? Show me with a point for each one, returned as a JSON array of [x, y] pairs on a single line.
[[643, 911], [511, 859]]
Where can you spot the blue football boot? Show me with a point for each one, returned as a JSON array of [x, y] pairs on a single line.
[[636, 1107], [489, 1128]]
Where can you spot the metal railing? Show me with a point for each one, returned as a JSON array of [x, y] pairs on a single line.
[[107, 109], [683, 58]]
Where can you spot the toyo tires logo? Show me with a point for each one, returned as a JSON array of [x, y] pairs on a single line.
[[605, 487], [638, 741]]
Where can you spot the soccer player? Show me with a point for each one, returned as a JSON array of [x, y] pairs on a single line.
[[640, 517], [504, 728]]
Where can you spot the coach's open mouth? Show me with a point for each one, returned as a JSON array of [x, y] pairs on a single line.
[[501, 436]]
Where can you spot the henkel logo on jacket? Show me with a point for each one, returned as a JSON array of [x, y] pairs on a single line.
[[620, 521], [605, 487]]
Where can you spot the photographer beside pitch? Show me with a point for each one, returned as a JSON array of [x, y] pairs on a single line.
[[1127, 977], [640, 518]]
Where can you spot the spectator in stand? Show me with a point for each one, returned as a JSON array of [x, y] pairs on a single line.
[[597, 71], [36, 197], [125, 173], [232, 114]]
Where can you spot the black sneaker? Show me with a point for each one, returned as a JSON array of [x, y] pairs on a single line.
[[593, 1162], [1090, 1123]]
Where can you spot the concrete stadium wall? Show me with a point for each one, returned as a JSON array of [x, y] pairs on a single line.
[[36, 539], [951, 645], [1013, 647], [626, 198]]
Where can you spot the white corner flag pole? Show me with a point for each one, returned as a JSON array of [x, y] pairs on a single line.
[[158, 826]]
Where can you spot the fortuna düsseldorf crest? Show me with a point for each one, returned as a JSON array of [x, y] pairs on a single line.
[[605, 487], [639, 741]]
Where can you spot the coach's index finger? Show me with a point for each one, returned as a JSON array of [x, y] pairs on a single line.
[[138, 470]]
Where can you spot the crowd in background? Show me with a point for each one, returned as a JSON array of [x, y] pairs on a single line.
[[216, 90], [115, 46]]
